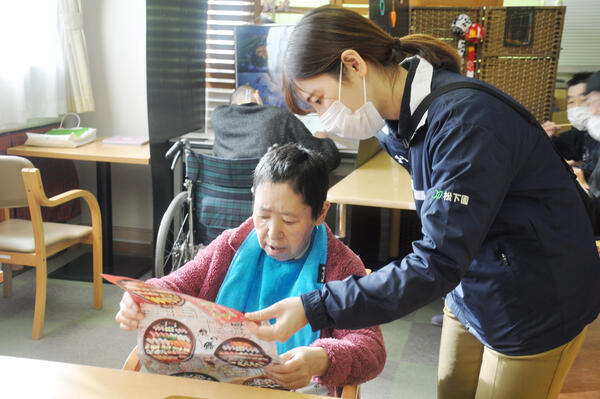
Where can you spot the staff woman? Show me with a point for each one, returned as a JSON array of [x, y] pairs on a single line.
[[505, 235]]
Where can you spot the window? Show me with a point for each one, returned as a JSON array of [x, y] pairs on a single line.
[[223, 15], [32, 71]]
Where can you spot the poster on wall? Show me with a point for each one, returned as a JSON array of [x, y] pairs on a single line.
[[259, 52], [518, 30]]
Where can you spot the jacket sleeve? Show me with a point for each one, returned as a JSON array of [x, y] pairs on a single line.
[[302, 135], [470, 173], [569, 144], [355, 356]]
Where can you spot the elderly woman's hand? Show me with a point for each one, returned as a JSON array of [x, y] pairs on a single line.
[[129, 314], [299, 366]]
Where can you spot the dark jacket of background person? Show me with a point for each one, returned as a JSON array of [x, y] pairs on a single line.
[[248, 130], [505, 234], [578, 146]]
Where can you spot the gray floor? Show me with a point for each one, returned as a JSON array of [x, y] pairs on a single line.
[[74, 332]]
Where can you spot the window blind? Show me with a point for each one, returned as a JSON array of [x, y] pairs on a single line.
[[175, 37], [581, 37], [222, 17]]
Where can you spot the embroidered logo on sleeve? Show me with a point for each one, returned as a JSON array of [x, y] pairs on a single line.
[[450, 197]]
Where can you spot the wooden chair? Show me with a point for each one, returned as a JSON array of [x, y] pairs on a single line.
[[30, 243], [133, 363]]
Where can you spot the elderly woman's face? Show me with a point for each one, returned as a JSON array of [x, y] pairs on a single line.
[[282, 220]]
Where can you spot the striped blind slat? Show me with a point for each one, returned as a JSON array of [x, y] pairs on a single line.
[[175, 67], [222, 17]]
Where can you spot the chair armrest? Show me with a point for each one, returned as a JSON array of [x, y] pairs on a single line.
[[4, 214], [33, 184], [133, 361], [350, 392]]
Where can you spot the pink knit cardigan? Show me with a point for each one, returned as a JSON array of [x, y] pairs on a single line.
[[355, 356]]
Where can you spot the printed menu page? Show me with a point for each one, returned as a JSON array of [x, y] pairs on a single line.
[[191, 337]]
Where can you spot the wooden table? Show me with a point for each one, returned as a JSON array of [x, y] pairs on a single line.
[[103, 155], [379, 182], [29, 378]]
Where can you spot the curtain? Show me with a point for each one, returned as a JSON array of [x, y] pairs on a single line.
[[32, 75], [79, 86]]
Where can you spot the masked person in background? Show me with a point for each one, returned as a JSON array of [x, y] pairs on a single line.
[[592, 103], [576, 145], [506, 236]]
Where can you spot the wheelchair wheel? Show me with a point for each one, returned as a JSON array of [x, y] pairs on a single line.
[[172, 249]]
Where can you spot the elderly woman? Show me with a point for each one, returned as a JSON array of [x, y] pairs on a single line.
[[285, 249]]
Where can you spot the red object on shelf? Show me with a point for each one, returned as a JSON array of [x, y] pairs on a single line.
[[470, 70], [474, 33]]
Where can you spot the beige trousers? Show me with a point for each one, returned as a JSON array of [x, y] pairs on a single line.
[[467, 369]]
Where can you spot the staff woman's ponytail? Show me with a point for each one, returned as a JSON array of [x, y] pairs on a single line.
[[318, 40]]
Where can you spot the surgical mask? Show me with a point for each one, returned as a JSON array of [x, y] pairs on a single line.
[[593, 127], [578, 117], [362, 124]]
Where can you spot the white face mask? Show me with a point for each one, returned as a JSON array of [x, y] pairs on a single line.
[[578, 117], [362, 124], [593, 127]]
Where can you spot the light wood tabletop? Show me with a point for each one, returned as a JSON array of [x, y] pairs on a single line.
[[95, 151], [30, 378], [379, 182]]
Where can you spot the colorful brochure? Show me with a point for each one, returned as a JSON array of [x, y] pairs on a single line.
[[185, 336]]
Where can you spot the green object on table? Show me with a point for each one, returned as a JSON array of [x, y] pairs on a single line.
[[77, 131]]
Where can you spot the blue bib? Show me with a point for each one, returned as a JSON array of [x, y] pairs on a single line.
[[255, 281]]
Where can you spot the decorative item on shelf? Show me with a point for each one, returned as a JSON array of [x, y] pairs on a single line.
[[518, 30], [390, 15], [473, 36], [459, 26], [272, 7], [63, 137]]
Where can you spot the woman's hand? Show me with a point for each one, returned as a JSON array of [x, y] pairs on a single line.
[[299, 366], [550, 128], [129, 314], [289, 318], [581, 177]]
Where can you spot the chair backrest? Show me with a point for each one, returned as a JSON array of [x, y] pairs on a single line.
[[12, 192], [223, 193]]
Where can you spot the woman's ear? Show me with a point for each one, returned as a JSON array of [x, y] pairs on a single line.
[[323, 214], [354, 62]]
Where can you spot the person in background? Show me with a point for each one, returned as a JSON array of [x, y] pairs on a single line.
[[277, 253], [246, 128], [592, 102], [580, 149], [506, 236]]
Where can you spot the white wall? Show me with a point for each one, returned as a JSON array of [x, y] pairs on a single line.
[[116, 40]]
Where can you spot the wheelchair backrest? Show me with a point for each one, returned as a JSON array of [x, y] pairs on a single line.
[[223, 199]]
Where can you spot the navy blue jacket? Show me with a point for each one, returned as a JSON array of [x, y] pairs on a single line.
[[505, 234]]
